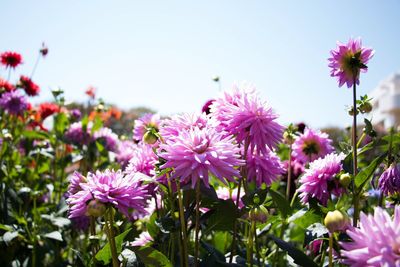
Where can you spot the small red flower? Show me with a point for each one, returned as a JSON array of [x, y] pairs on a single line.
[[6, 85], [10, 59], [31, 88], [48, 109], [91, 91]]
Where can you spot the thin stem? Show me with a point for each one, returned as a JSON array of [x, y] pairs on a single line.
[[330, 249], [289, 178], [294, 198], [196, 242], [185, 255], [258, 256], [361, 139], [354, 139], [93, 233], [36, 64], [111, 236], [171, 200], [250, 243]]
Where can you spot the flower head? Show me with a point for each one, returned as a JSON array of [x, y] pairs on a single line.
[[223, 193], [10, 59], [31, 88], [143, 160], [76, 113], [376, 242], [311, 145], [348, 60], [91, 92], [319, 181], [144, 124], [109, 138], [196, 152], [13, 102], [5, 85], [77, 135], [263, 167], [389, 182], [48, 109]]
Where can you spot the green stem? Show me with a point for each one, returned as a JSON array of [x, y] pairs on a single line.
[[196, 242], [111, 236], [185, 255], [289, 178], [354, 142], [330, 249], [250, 243], [93, 233]]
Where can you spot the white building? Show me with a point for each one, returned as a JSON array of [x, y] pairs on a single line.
[[386, 102]]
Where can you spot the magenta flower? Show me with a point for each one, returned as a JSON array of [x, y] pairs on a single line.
[[389, 182], [319, 181], [376, 242], [125, 193], [126, 150], [263, 168], [75, 181], [347, 60], [223, 193], [76, 134], [142, 240], [13, 102], [143, 160], [195, 153], [109, 138], [145, 123], [244, 115], [171, 127], [311, 145]]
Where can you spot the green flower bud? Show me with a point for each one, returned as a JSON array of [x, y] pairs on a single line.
[[149, 138], [365, 107], [259, 214], [351, 111], [345, 180], [95, 208], [336, 221]]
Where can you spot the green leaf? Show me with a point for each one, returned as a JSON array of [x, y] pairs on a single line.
[[60, 123], [224, 216], [104, 254], [298, 256], [304, 218], [363, 176], [35, 135], [281, 203], [54, 235], [152, 257]]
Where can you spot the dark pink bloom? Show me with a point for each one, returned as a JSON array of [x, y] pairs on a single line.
[[311, 145], [206, 107], [263, 167], [348, 60], [389, 182], [8, 87], [31, 88], [10, 59], [143, 160]]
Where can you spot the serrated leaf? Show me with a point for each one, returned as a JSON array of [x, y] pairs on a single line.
[[152, 257], [281, 203], [104, 254]]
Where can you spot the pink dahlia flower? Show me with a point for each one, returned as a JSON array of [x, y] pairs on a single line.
[[143, 160], [76, 134], [263, 167], [195, 153], [376, 242], [311, 145], [223, 193], [143, 124], [389, 182], [171, 127], [348, 60], [126, 150], [248, 118], [319, 181], [109, 138]]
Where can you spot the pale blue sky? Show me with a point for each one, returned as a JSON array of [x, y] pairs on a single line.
[[162, 54]]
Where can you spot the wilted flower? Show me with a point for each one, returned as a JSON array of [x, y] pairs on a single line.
[[143, 239], [389, 182], [143, 160], [109, 138], [8, 87], [31, 88], [311, 145], [319, 181], [145, 123], [347, 60], [13, 102], [263, 167], [376, 242], [195, 153], [10, 59]]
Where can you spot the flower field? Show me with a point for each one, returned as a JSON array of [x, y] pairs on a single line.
[[227, 186]]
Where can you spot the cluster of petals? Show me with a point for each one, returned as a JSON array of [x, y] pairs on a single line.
[[126, 150], [263, 167], [76, 134], [143, 124], [389, 182], [346, 61], [311, 145], [5, 85], [376, 242], [195, 153], [31, 88], [242, 114], [13, 102], [143, 160], [318, 181], [10, 59], [124, 192], [47, 109], [109, 138]]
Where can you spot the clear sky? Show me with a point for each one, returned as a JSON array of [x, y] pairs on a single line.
[[162, 54]]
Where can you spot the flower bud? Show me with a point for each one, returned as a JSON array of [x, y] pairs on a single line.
[[288, 138], [365, 107], [259, 214], [336, 221], [351, 111], [95, 208], [345, 180], [149, 138]]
